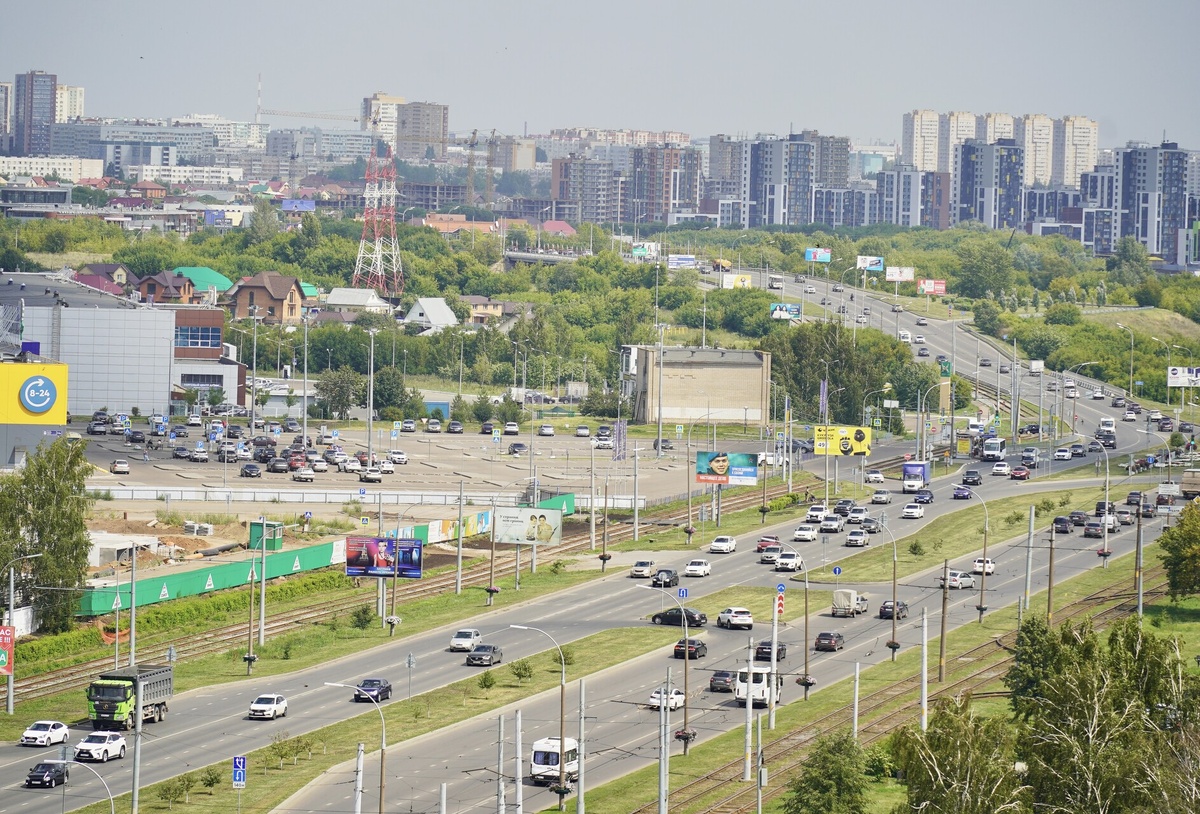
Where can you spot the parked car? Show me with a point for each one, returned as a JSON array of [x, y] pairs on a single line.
[[137, 437], [454, 428], [280, 465], [691, 649], [665, 578], [831, 642], [199, 456], [269, 707], [181, 452], [723, 544], [583, 431], [546, 430], [735, 617], [101, 746], [485, 655], [433, 425], [957, 580], [119, 467], [900, 610], [512, 428], [673, 616], [48, 774], [698, 568], [45, 733], [378, 689], [408, 425], [663, 444], [180, 431], [643, 569], [304, 474], [486, 428], [518, 448], [250, 471], [763, 651], [370, 475]]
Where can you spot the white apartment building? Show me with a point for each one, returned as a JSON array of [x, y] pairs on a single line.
[[1076, 146], [995, 126], [68, 103], [920, 140], [68, 167], [412, 129], [1035, 133], [182, 175]]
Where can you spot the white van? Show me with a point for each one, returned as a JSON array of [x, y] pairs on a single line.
[[1108, 425], [904, 336]]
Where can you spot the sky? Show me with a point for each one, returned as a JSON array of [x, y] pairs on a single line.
[[843, 67]]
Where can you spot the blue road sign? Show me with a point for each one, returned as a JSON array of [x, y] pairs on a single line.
[[362, 491], [683, 593], [239, 778], [781, 587], [308, 515], [837, 570], [395, 435], [172, 436], [335, 434], [239, 762]]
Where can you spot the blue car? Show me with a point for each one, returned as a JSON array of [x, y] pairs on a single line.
[[923, 496], [961, 493]]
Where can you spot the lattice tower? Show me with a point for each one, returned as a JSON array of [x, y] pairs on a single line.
[[378, 264]]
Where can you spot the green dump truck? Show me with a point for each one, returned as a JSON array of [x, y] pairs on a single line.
[[111, 701]]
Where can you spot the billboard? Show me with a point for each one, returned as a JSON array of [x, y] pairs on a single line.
[[837, 440], [8, 636], [33, 393], [786, 310], [1183, 376], [727, 468], [383, 557], [298, 205], [737, 281], [527, 526], [682, 261], [900, 274], [936, 287], [867, 263], [818, 255]]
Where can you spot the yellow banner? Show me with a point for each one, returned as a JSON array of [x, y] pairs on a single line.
[[836, 440], [33, 393]]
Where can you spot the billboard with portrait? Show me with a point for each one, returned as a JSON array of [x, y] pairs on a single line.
[[383, 557], [818, 255], [867, 263], [528, 525], [786, 310], [900, 274], [935, 287], [837, 440], [737, 281], [727, 468]]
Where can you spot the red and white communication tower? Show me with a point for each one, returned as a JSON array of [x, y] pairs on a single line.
[[378, 263]]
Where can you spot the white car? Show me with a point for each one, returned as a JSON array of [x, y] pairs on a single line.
[[810, 289], [268, 707], [119, 467], [1156, 415], [857, 538], [603, 443], [245, 454], [698, 568], [583, 431], [386, 467], [816, 513], [319, 465], [101, 746], [45, 733], [546, 430], [370, 475], [723, 544], [913, 511], [349, 465], [512, 428], [858, 514], [673, 698], [339, 457], [1002, 468], [643, 569], [805, 533], [789, 561], [959, 580], [983, 566], [199, 456], [304, 473], [398, 456], [833, 524], [881, 496], [919, 339], [464, 641], [1130, 415], [874, 476], [1062, 454], [735, 617]]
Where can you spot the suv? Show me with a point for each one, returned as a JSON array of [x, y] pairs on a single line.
[[735, 617], [833, 523]]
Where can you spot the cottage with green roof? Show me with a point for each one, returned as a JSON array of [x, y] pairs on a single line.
[[204, 278]]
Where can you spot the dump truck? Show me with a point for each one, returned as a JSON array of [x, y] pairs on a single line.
[[1189, 484], [111, 697], [849, 603]]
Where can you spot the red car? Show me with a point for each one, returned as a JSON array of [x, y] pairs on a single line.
[[1019, 473], [764, 541]]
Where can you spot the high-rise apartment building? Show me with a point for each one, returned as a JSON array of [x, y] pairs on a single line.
[[592, 184], [723, 158], [899, 195], [1150, 193], [34, 97], [920, 140], [68, 103], [955, 128], [1034, 133], [831, 158], [662, 180], [853, 206], [414, 130], [1076, 145], [778, 178], [6, 104], [988, 183], [995, 126]]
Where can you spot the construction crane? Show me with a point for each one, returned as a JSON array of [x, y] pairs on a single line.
[[489, 189], [471, 167]]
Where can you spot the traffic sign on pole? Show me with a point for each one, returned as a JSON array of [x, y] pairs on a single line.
[[837, 570], [239, 772], [780, 588], [683, 593], [779, 604]]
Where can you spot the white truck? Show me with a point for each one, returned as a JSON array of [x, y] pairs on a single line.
[[756, 685], [849, 603]]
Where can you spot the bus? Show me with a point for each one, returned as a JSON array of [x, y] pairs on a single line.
[[994, 449], [775, 281], [757, 686]]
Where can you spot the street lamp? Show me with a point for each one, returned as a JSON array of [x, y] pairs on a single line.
[[305, 429], [887, 388], [894, 643], [112, 805], [371, 399], [254, 309], [981, 607], [1185, 401], [825, 384], [12, 605], [382, 738], [1123, 328], [562, 715], [686, 658], [1168, 347], [922, 441]]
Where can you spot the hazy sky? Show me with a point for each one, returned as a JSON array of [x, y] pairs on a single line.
[[845, 67]]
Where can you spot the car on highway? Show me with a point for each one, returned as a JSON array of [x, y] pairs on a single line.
[[512, 428], [805, 533], [763, 651], [1019, 473], [673, 698], [373, 689], [690, 649], [408, 425], [857, 538], [1001, 468], [985, 362], [370, 475], [922, 322], [740, 618], [881, 496], [1063, 525], [119, 467], [485, 655], [983, 565], [816, 513], [808, 289], [972, 477], [673, 616], [101, 746], [698, 568], [665, 578], [858, 514], [455, 428], [886, 609], [643, 569], [45, 733], [913, 511], [721, 681], [961, 493], [1130, 415], [923, 496], [1078, 451], [957, 580], [770, 554], [1133, 499], [874, 476], [269, 707], [1005, 369], [872, 526], [1078, 517], [1095, 447], [48, 774], [1062, 454], [1093, 528], [923, 352], [764, 541], [723, 544], [919, 339], [843, 506], [1186, 427], [546, 430], [304, 474], [833, 524], [789, 561], [1126, 517], [831, 642]]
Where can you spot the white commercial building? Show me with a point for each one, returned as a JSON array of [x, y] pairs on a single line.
[[179, 175], [68, 167]]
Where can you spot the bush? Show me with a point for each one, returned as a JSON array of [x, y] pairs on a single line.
[[567, 658], [879, 762], [522, 670], [363, 617], [486, 681], [211, 777], [916, 549]]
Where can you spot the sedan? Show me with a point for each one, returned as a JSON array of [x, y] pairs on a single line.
[[45, 733], [1129, 416], [1095, 447], [958, 580], [690, 649], [673, 698], [831, 642], [1126, 517], [101, 746], [263, 441], [857, 538], [454, 428], [724, 544], [304, 474], [1063, 525], [250, 471], [181, 452], [972, 478], [137, 437], [881, 496], [698, 568], [923, 351], [49, 774], [465, 640], [319, 465], [764, 542], [517, 449], [370, 475], [583, 431], [546, 430], [985, 362], [735, 617], [961, 493], [486, 428], [1001, 468], [872, 526], [923, 496], [1133, 499], [179, 431], [1062, 454], [119, 467], [922, 321], [643, 569], [721, 681], [485, 655], [763, 651], [1019, 473], [1093, 528], [269, 707], [913, 511], [665, 578], [377, 689], [886, 609], [280, 465], [408, 425], [919, 339], [1078, 517], [673, 616], [857, 514]]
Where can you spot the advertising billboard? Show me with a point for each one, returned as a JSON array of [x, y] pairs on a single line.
[[727, 468], [737, 281], [900, 274], [935, 287], [1183, 376], [298, 205], [383, 557], [8, 635], [681, 261], [528, 526], [33, 393], [818, 255], [867, 263], [837, 440], [786, 310]]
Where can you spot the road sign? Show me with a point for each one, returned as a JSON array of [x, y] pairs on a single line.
[[683, 593], [172, 436], [679, 429], [781, 587], [335, 433], [239, 762], [908, 456], [837, 570], [877, 422], [365, 521], [395, 435], [239, 772], [308, 515], [396, 426], [779, 604], [362, 491], [639, 251], [779, 436]]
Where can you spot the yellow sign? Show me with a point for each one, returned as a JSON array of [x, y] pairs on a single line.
[[842, 440], [33, 393], [964, 446]]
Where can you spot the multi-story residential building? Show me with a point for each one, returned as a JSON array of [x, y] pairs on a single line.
[[920, 140], [6, 105], [589, 182], [857, 206], [1076, 142], [229, 134], [899, 196], [662, 180], [33, 113], [994, 126], [1050, 204], [1151, 198], [1097, 188], [67, 167], [128, 143], [955, 128], [831, 158], [723, 158], [937, 200], [317, 144], [988, 183], [414, 130], [778, 178], [1034, 133], [515, 154], [184, 175], [68, 103]]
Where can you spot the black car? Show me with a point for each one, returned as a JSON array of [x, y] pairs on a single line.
[[264, 455], [48, 774], [180, 431], [923, 496], [1063, 525], [972, 478], [664, 443], [604, 431], [1108, 439], [235, 431], [691, 649], [1186, 427], [1078, 518], [763, 651], [486, 428], [181, 452], [263, 441], [803, 445], [278, 465], [830, 641], [1148, 509], [672, 616], [721, 681], [885, 609], [137, 437], [517, 449], [666, 578], [485, 655], [379, 689], [455, 427], [250, 471], [844, 506]]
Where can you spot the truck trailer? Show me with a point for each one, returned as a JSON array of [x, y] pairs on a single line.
[[849, 603], [111, 697]]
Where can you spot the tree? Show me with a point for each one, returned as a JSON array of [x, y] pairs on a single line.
[[459, 409], [984, 266], [832, 780], [522, 670], [43, 508], [987, 317], [481, 408], [264, 223], [1180, 553], [486, 681], [216, 396], [211, 777], [1039, 654], [340, 389], [389, 388], [192, 397], [1063, 313]]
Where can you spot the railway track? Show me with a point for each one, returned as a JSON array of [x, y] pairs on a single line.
[[885, 710]]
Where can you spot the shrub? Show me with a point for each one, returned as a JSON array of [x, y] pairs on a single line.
[[567, 657], [211, 777], [879, 762], [916, 549], [363, 617], [522, 670], [486, 681]]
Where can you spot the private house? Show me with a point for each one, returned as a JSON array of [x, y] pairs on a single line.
[[432, 314], [277, 297], [166, 286], [356, 300]]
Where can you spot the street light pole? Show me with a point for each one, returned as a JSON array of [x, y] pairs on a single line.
[[562, 714], [1168, 347], [254, 366], [1123, 328], [686, 659], [371, 399], [981, 607], [305, 429], [382, 739], [12, 606]]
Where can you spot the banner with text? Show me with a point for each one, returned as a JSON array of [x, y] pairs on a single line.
[[383, 557], [935, 287], [737, 281], [837, 440], [818, 255], [786, 310], [900, 274], [681, 261], [1183, 377], [866, 263], [727, 468], [8, 635], [528, 526]]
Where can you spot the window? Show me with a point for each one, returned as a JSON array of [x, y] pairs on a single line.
[[197, 337]]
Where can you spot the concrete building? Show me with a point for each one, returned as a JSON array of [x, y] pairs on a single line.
[[6, 106], [778, 178], [1076, 144], [229, 134], [412, 129], [591, 183], [133, 142], [988, 184], [1034, 133], [899, 196], [34, 98], [688, 393], [724, 158], [68, 167], [515, 154], [921, 139], [954, 128], [852, 206], [831, 158], [661, 180], [1151, 199], [994, 126], [68, 103], [186, 175]]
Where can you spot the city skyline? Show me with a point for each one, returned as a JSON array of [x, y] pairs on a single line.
[[539, 66]]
